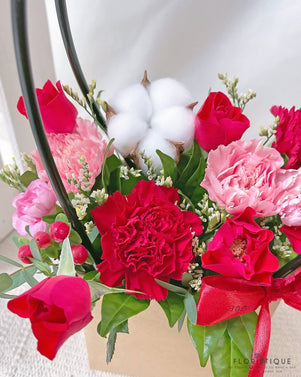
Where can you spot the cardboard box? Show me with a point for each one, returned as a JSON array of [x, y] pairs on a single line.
[[152, 349]]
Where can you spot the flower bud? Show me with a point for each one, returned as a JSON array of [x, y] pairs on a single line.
[[80, 254], [24, 252], [42, 239], [59, 231]]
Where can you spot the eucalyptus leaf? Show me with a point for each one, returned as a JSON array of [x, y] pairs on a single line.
[[66, 265], [10, 261], [122, 328], [117, 308], [6, 296], [98, 289], [42, 266], [173, 307], [23, 241], [5, 282], [62, 217], [74, 237], [190, 307], [21, 276], [35, 250], [181, 320], [205, 338], [28, 277], [171, 287]]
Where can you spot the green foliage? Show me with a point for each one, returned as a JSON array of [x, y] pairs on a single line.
[[27, 177], [121, 328], [168, 164], [117, 308], [66, 265], [190, 308], [173, 307], [24, 275], [5, 282]]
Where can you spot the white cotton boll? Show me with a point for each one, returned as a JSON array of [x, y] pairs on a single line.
[[150, 143], [134, 99], [175, 124], [127, 130], [168, 92]]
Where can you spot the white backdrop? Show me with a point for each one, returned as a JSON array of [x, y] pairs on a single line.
[[191, 40]]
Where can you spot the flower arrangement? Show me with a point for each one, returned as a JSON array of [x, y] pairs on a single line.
[[177, 208]]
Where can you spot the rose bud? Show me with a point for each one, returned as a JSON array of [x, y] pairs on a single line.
[[80, 254], [24, 252], [59, 231], [42, 239]]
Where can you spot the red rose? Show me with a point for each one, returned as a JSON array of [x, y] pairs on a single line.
[[293, 233], [218, 122], [57, 307], [288, 135], [58, 113], [145, 236], [240, 249]]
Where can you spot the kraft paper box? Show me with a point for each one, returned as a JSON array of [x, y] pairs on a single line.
[[152, 349]]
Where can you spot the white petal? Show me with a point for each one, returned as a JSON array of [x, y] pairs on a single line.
[[134, 99], [150, 143], [175, 124], [127, 130], [168, 92]]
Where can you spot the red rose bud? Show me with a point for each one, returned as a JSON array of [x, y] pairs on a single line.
[[57, 307], [80, 254], [59, 231], [24, 252], [218, 122], [42, 239], [58, 113]]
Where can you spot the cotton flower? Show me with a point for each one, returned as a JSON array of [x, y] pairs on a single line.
[[151, 116]]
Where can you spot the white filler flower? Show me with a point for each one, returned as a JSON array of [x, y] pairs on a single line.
[[150, 116]]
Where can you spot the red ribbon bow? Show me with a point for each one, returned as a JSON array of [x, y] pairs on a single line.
[[223, 298]]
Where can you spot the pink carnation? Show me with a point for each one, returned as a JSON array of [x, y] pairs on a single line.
[[291, 212], [37, 201], [246, 174], [67, 148]]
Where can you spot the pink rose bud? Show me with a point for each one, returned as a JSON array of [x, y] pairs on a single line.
[[43, 240], [24, 252], [80, 254], [59, 231]]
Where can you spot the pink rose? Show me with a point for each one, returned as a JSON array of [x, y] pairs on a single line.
[[37, 201], [240, 249], [291, 212], [58, 113], [57, 307], [145, 236], [288, 135], [246, 174], [218, 122], [67, 149], [293, 233]]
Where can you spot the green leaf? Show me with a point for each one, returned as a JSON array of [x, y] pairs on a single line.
[[62, 217], [49, 219], [92, 275], [98, 289], [5, 282], [242, 332], [8, 297], [190, 307], [27, 177], [122, 328], [181, 320], [66, 265], [21, 276], [190, 167], [127, 185], [23, 241], [42, 266], [10, 261], [29, 278], [227, 360], [205, 338], [52, 251], [94, 233], [173, 307], [168, 164], [35, 250], [117, 308], [196, 178], [171, 287], [74, 237]]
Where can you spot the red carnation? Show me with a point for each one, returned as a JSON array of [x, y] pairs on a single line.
[[145, 236], [57, 112], [57, 307], [218, 122], [288, 135], [240, 249]]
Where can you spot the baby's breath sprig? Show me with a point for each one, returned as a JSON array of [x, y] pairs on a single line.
[[197, 273], [162, 181], [100, 196], [151, 170], [281, 246], [210, 213], [125, 171], [28, 162], [241, 99], [11, 175], [80, 203], [269, 131], [82, 182]]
